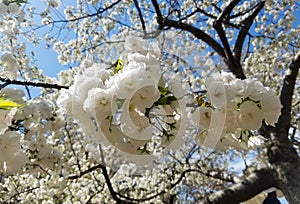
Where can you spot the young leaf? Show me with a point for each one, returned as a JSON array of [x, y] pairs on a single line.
[[119, 66], [7, 104]]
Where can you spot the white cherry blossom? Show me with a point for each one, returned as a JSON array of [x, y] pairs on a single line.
[[133, 43], [205, 117], [249, 116]]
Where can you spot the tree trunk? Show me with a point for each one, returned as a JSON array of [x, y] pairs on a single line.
[[286, 164]]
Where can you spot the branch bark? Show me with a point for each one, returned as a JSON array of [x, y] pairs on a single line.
[[255, 183], [282, 156], [233, 64], [246, 24], [140, 16], [7, 82], [287, 92], [198, 34], [281, 153], [164, 22], [225, 52]]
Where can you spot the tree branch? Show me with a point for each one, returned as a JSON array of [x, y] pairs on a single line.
[[99, 11], [198, 34], [233, 64], [255, 183], [246, 24], [14, 199], [278, 136], [7, 82], [226, 53], [107, 180], [158, 13], [228, 10], [109, 185], [199, 10], [287, 92], [140, 16], [163, 22], [281, 152]]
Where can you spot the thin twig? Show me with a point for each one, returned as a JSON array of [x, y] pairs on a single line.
[[140, 16]]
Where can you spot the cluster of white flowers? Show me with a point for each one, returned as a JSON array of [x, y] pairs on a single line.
[[9, 65], [11, 156], [25, 132], [129, 105], [11, 16], [233, 108], [12, 8]]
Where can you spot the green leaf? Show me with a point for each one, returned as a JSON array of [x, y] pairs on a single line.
[[119, 66], [165, 100], [161, 82], [162, 100], [7, 104], [163, 91]]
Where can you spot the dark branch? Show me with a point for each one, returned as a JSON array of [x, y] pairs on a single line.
[[202, 11], [140, 16], [255, 183], [242, 13], [228, 10], [281, 152], [7, 82], [233, 64], [287, 91], [198, 34], [246, 24], [280, 148], [164, 22], [99, 11], [107, 180], [110, 187], [226, 53], [19, 193], [158, 13], [26, 87], [86, 172]]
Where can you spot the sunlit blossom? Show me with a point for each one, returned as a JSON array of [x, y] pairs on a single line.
[[249, 116]]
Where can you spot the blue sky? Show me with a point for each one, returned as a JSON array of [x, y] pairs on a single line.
[[47, 58]]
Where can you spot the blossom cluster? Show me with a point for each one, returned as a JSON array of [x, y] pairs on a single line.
[[233, 108], [10, 7], [128, 105], [24, 127]]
